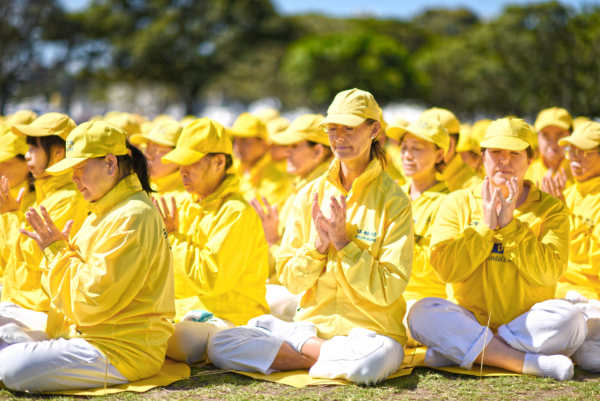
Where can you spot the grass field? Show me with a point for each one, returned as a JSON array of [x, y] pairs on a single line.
[[422, 384]]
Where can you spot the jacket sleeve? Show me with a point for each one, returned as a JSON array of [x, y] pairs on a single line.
[[299, 264], [91, 292], [214, 266], [542, 259], [382, 278], [455, 255], [9, 235]]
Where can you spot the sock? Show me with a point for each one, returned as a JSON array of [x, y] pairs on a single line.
[[294, 333], [436, 360], [558, 367]]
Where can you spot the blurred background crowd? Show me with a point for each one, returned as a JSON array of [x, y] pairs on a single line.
[[219, 58]]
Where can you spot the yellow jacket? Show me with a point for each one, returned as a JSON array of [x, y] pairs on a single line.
[[459, 175], [538, 170], [264, 179], [394, 166], [170, 186], [362, 284], [22, 275], [221, 252], [113, 285], [582, 275], [27, 202], [505, 271], [424, 281]]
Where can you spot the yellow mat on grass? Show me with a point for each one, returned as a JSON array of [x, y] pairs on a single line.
[[414, 357], [170, 372]]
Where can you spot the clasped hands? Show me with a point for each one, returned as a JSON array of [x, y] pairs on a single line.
[[332, 229], [498, 210]]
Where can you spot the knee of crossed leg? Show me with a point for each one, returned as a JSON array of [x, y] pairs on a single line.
[[186, 345], [10, 374], [379, 364]]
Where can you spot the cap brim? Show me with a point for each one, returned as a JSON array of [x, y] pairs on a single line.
[[140, 139], [348, 120], [29, 130], [395, 132], [137, 139], [504, 142], [5, 156], [581, 143], [287, 138], [65, 165], [559, 124], [183, 157]]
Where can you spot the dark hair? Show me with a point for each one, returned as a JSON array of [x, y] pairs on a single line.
[[529, 150], [228, 159], [46, 143], [326, 149], [30, 178], [138, 164], [441, 166], [377, 151]]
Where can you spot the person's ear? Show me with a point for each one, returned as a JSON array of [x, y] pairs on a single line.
[[113, 165], [218, 162], [376, 129], [318, 151], [58, 153], [440, 156]]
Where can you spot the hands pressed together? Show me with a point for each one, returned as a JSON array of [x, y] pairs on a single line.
[[498, 210], [45, 231], [8, 203], [269, 218], [555, 184], [332, 229]]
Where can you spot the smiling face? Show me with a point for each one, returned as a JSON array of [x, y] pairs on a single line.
[[154, 152], [356, 145], [501, 165], [584, 166], [15, 169], [548, 138], [419, 157]]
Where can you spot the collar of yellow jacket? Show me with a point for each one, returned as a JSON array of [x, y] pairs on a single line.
[[167, 183], [230, 184], [372, 171], [433, 192], [15, 190], [256, 172], [451, 169], [51, 183], [534, 192], [591, 186], [321, 169], [123, 190]]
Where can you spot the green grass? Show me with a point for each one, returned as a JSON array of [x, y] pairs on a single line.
[[420, 385]]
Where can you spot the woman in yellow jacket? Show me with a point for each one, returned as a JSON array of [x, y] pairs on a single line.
[[349, 245], [422, 148], [22, 287], [306, 147], [14, 178], [503, 246], [219, 247], [111, 285]]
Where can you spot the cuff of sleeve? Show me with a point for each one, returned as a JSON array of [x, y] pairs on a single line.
[[508, 232], [485, 232], [54, 249], [311, 251]]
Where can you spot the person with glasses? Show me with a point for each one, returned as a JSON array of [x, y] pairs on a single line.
[[349, 247], [503, 246]]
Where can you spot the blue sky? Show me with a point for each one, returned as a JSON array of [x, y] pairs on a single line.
[[382, 8]]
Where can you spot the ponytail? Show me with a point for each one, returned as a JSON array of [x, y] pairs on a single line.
[[377, 151], [138, 164]]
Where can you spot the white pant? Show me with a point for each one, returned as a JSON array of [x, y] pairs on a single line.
[[362, 357], [550, 327], [189, 342], [19, 325], [282, 303], [588, 355]]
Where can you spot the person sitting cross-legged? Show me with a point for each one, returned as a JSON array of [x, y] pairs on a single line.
[[349, 245]]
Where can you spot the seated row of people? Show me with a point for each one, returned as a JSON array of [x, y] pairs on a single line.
[[354, 251]]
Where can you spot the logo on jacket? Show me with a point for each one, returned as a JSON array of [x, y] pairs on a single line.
[[369, 236]]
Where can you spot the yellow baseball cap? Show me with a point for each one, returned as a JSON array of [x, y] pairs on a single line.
[[430, 130], [126, 121], [277, 125], [187, 120], [469, 141], [304, 128], [248, 126], [267, 115], [47, 125], [352, 108], [198, 139], [21, 117], [446, 117], [164, 132], [509, 134], [586, 136], [579, 120], [90, 140], [555, 117], [397, 128], [10, 144]]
